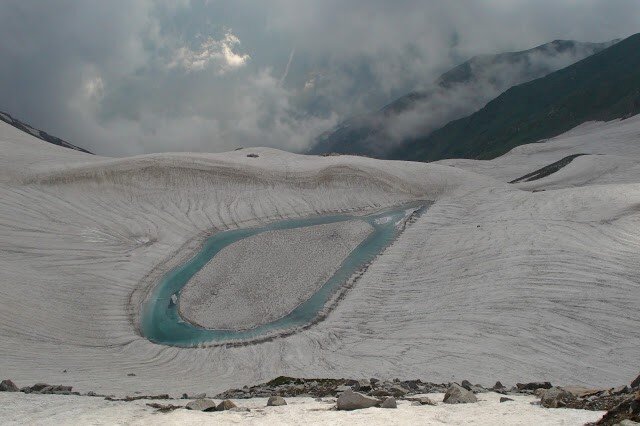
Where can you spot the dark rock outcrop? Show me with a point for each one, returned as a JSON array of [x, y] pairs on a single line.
[[456, 394], [38, 133], [628, 410]]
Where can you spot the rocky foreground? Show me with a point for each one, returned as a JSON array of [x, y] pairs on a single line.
[[622, 404]]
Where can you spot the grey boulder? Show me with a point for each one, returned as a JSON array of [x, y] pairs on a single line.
[[8, 386], [227, 404], [350, 400], [555, 398], [456, 394], [276, 401], [389, 403], [201, 404]]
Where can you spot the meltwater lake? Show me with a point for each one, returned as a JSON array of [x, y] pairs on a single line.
[[161, 321]]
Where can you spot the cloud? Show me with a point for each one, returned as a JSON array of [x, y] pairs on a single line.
[[123, 77], [217, 53]]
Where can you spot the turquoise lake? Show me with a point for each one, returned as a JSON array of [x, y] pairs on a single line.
[[161, 322]]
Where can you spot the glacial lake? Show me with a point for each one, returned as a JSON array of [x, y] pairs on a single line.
[[160, 321]]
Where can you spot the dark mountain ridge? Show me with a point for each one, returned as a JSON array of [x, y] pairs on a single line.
[[456, 93], [38, 133], [601, 87]]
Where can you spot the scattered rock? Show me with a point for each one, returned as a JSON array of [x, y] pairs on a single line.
[[456, 394], [533, 386], [619, 390], [539, 392], [227, 404], [276, 401], [556, 398], [422, 400], [389, 403], [628, 410], [131, 374], [137, 397], [8, 386], [505, 399], [201, 405], [38, 387], [351, 400], [636, 383], [466, 384], [473, 388], [364, 385], [252, 155], [398, 391], [163, 408], [44, 388], [321, 388], [498, 386], [580, 391], [380, 392]]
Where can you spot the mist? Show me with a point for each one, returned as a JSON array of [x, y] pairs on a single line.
[[123, 78]]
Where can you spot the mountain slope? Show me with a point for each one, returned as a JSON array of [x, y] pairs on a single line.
[[604, 86], [38, 133], [456, 93]]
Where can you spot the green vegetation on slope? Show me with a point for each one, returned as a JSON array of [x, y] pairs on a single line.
[[604, 86], [477, 80]]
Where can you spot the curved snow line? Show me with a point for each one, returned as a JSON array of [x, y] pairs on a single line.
[[162, 322]]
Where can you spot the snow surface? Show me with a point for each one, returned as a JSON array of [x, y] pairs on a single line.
[[493, 282], [60, 410], [615, 149]]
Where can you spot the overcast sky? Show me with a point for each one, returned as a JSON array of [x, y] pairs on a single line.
[[123, 77]]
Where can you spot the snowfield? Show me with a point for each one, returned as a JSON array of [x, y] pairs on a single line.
[[493, 282], [60, 410]]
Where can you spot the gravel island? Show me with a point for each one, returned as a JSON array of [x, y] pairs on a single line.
[[244, 285]]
